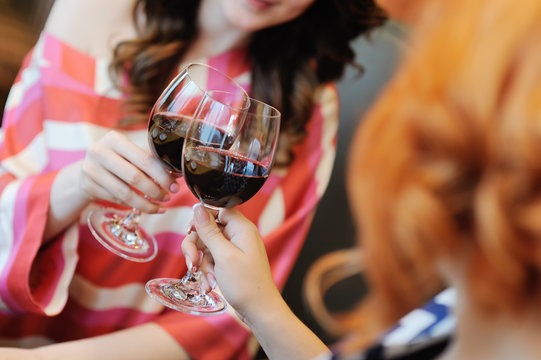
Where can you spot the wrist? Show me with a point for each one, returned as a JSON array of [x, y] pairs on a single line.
[[66, 201], [282, 335], [266, 311]]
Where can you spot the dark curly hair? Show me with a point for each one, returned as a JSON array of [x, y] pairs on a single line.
[[312, 49]]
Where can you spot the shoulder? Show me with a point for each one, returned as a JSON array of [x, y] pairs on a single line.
[[326, 94], [327, 102], [92, 26]]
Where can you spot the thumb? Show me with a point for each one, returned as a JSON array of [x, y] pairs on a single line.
[[208, 230]]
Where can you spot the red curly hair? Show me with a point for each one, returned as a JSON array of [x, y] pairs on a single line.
[[447, 164]]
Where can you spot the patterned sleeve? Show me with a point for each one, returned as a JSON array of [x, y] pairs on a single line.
[[31, 279], [285, 208]]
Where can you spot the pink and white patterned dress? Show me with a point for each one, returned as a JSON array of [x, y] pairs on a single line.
[[62, 101]]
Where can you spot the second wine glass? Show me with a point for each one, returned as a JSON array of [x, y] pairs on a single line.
[[225, 163]]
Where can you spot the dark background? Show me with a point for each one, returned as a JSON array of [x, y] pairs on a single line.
[[20, 24], [333, 228]]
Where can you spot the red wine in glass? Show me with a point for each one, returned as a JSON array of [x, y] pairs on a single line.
[[220, 178], [166, 132]]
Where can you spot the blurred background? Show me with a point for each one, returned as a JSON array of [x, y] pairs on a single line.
[[22, 20], [333, 229], [20, 24]]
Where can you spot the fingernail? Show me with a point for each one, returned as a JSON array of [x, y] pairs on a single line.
[[161, 210], [212, 280], [200, 214], [174, 187], [189, 229], [189, 264], [166, 197]]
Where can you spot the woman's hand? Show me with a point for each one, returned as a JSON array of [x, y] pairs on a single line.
[[114, 167], [235, 259]]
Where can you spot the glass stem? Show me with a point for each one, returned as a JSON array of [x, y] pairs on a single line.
[[191, 280], [126, 229], [188, 289], [131, 221]]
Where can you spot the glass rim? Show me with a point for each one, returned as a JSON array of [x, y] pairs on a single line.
[[275, 112], [208, 94], [233, 81]]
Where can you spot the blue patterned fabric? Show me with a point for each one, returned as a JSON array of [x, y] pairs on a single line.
[[422, 334]]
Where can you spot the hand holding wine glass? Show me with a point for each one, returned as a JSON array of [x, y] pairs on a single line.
[[114, 165], [235, 258], [226, 160], [118, 171]]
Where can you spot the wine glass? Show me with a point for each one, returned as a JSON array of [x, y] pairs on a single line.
[[172, 112], [224, 164]]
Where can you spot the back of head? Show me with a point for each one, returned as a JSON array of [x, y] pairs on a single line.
[[445, 172]]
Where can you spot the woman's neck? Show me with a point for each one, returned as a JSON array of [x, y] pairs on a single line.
[[495, 337], [216, 33]]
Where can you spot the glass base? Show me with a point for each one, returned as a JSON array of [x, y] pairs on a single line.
[[184, 295], [132, 243]]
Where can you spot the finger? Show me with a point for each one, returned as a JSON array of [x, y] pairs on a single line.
[[189, 227], [101, 157], [227, 215], [208, 230], [214, 214], [238, 228], [117, 190], [207, 268], [207, 262], [94, 190], [130, 174], [190, 249], [142, 160]]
